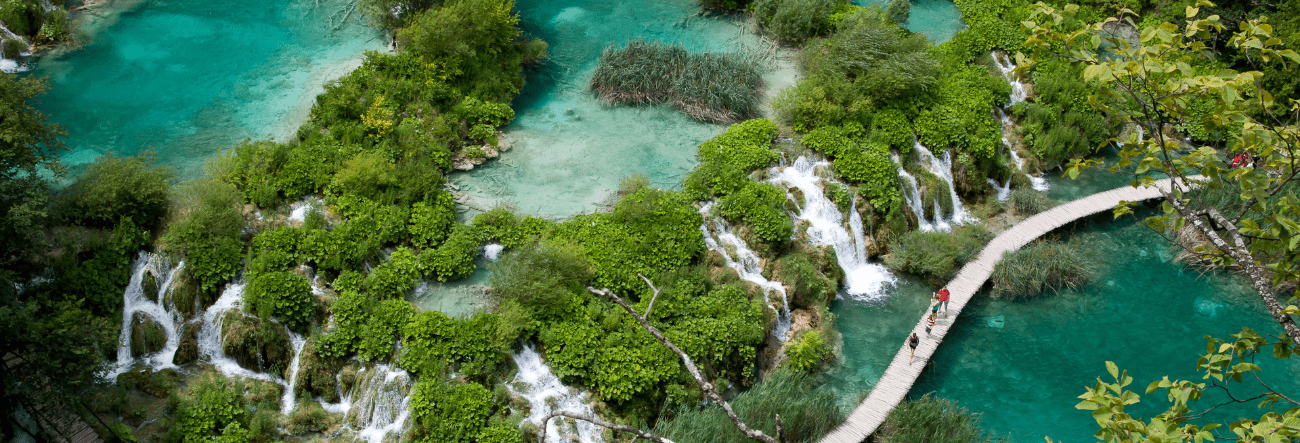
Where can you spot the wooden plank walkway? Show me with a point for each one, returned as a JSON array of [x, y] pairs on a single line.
[[900, 375]]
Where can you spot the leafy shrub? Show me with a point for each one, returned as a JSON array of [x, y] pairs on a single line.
[[761, 207], [476, 38], [431, 222], [284, 295], [276, 250], [899, 12], [205, 228], [936, 256], [1057, 124], [366, 175], [959, 116], [504, 227], [541, 276], [720, 328], [808, 286], [720, 88], [97, 270], [930, 419], [807, 413], [868, 164], [477, 345], [252, 167], [808, 352], [1038, 267], [396, 277], [449, 412], [453, 260], [366, 326], [211, 406], [116, 187], [794, 21], [726, 160]]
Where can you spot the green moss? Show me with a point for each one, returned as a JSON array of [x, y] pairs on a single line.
[[147, 335], [254, 343]]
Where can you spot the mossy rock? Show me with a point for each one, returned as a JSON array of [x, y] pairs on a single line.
[[187, 351], [150, 286], [255, 344], [316, 374], [147, 335], [158, 384], [182, 296], [807, 286], [348, 376], [13, 48]]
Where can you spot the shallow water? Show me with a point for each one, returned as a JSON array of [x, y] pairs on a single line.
[[185, 78], [939, 20], [1023, 363], [569, 149]]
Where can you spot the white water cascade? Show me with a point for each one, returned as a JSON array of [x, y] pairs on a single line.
[[1004, 64], [378, 405], [8, 65], [209, 341], [536, 383], [748, 266], [863, 280], [134, 301], [942, 168], [912, 198]]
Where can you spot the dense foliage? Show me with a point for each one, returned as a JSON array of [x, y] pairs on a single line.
[[727, 160], [807, 413], [794, 21], [719, 88], [936, 256]]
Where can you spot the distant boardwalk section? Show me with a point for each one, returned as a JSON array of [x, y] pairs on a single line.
[[900, 376]]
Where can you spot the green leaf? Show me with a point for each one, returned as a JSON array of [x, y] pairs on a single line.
[[1112, 369], [1192, 11]]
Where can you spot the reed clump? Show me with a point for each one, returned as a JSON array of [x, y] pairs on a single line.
[[932, 420], [1040, 266], [806, 412], [717, 88], [936, 256]]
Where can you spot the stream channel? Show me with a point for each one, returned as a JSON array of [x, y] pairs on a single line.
[[185, 78]]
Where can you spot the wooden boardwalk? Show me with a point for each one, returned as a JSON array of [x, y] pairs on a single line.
[[900, 375]]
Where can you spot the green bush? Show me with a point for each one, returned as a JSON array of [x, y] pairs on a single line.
[[366, 175], [431, 222], [1027, 201], [720, 328], [1057, 124], [116, 187], [509, 230], [205, 228], [454, 259], [809, 287], [936, 256], [212, 406], [899, 12], [395, 277], [283, 295], [867, 164], [794, 21], [449, 412], [478, 38], [1039, 266], [808, 413], [761, 206], [720, 88], [97, 271], [931, 420], [477, 345], [541, 277], [726, 160], [809, 352]]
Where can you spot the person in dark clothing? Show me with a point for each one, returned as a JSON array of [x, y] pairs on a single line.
[[913, 342]]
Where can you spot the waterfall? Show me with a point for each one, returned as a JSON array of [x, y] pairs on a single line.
[[209, 341], [912, 196], [382, 403], [135, 301], [862, 280], [7, 65], [545, 394], [1003, 62], [943, 169], [748, 266]]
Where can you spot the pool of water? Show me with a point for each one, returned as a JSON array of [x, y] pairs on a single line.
[[939, 20], [1022, 364], [184, 78], [569, 150]]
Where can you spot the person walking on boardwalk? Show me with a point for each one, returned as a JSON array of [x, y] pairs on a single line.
[[943, 299], [912, 342], [929, 324]]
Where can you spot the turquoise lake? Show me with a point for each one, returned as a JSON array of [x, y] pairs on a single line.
[[186, 78]]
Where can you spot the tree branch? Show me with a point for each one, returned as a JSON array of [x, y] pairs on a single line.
[[628, 429], [652, 299], [709, 391]]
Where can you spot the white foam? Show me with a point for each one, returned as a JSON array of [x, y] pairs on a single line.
[[135, 301], [863, 280], [748, 266], [492, 251], [942, 168], [545, 393]]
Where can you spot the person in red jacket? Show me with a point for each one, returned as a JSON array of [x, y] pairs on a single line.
[[943, 299]]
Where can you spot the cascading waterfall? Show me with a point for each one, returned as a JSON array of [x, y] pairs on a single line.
[[380, 404], [8, 65], [748, 266], [1003, 62], [912, 196], [134, 301], [209, 341], [863, 280], [544, 392], [943, 169]]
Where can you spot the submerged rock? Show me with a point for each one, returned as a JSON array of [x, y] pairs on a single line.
[[147, 335], [255, 344]]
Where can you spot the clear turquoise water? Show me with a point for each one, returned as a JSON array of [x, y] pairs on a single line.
[[569, 149], [184, 78], [1022, 364], [939, 20]]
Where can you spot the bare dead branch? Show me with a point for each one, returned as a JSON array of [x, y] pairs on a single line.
[[652, 299]]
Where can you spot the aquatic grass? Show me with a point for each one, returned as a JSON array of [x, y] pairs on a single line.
[[1027, 201], [1038, 267], [936, 256], [932, 420], [718, 88], [807, 413]]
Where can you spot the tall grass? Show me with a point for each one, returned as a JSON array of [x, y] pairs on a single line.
[[1026, 201], [1040, 266], [807, 413], [937, 256], [720, 88], [931, 420]]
